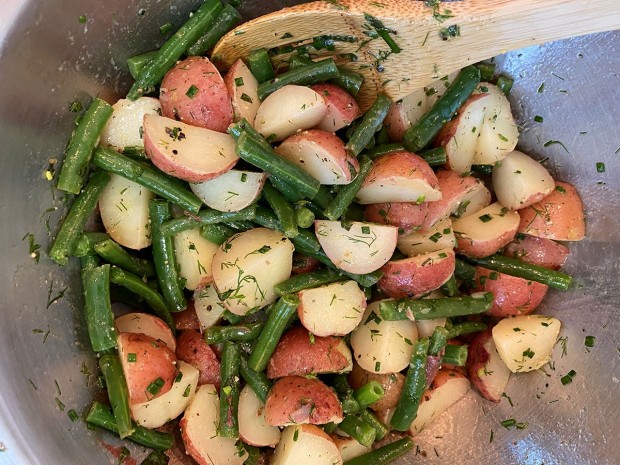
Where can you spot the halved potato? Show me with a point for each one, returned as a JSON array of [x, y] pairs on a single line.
[[243, 90], [342, 108], [362, 248], [186, 319], [300, 444], [332, 310], [485, 368], [392, 384], [193, 349], [404, 113], [418, 242], [248, 265], [406, 216], [253, 428], [209, 308], [427, 327], [124, 128], [187, 152], [349, 448], [194, 256], [144, 323], [484, 233], [537, 251], [399, 177], [231, 191]]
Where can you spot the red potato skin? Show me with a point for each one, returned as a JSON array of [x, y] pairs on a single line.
[[299, 353], [192, 349], [401, 164], [187, 319], [407, 278], [392, 385], [153, 360], [342, 108], [296, 399], [441, 378], [209, 108], [304, 264], [408, 217], [559, 216], [538, 251], [396, 122], [480, 249], [512, 296], [477, 357]]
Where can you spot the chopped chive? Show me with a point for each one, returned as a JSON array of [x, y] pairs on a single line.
[[560, 189], [568, 378], [192, 91], [435, 237], [238, 81], [509, 423], [554, 142], [502, 137], [600, 167], [82, 18], [187, 391], [485, 218], [246, 98], [155, 386], [589, 341], [131, 357], [365, 230], [165, 28], [538, 119], [75, 106], [73, 416], [541, 88], [244, 177]]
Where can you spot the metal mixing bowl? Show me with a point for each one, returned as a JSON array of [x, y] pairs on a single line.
[[48, 58]]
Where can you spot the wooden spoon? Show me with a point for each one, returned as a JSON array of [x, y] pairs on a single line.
[[429, 47]]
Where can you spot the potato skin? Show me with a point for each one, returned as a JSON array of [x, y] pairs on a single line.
[[408, 217], [295, 399], [392, 385], [299, 353], [342, 107], [187, 319], [192, 349], [537, 251], [477, 358], [304, 264], [210, 107], [512, 295]]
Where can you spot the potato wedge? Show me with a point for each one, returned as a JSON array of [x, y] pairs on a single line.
[[417, 242], [406, 216], [537, 251], [253, 428], [192, 349], [144, 323], [342, 107], [124, 128], [187, 319], [392, 384], [242, 87], [187, 152], [194, 256], [404, 113], [349, 448], [362, 248], [426, 327], [209, 307], [332, 310], [231, 191], [301, 444], [485, 368]]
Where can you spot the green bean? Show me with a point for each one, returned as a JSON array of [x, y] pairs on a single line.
[[118, 393], [75, 220], [435, 156], [421, 133], [81, 146], [289, 192], [253, 455], [487, 71], [371, 122], [347, 79], [205, 216], [257, 380], [229, 391], [228, 18], [89, 262], [358, 429], [486, 170], [113, 253], [147, 176], [323, 197], [430, 309], [173, 48], [450, 287], [232, 318], [464, 270], [346, 395], [369, 393], [330, 427], [384, 454], [100, 415], [283, 210], [455, 355], [216, 233], [438, 341], [300, 282], [381, 430], [316, 72], [240, 226], [467, 327], [304, 217], [246, 332], [137, 62], [505, 84], [347, 193], [155, 457], [125, 296], [415, 382], [279, 317], [97, 307], [380, 150], [85, 244], [260, 65], [164, 258]]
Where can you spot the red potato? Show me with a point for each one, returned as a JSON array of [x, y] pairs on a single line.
[[300, 353], [418, 242], [187, 152], [208, 306], [537, 251], [231, 191], [512, 295], [485, 232], [306, 444], [143, 323], [461, 196], [415, 276], [296, 399], [192, 349], [124, 128], [194, 92], [322, 154], [362, 248], [485, 368], [392, 384], [242, 87], [288, 110], [349, 448], [342, 108], [399, 177], [187, 319], [194, 256], [406, 216], [304, 264], [332, 310], [559, 216], [404, 113], [253, 428], [146, 361]]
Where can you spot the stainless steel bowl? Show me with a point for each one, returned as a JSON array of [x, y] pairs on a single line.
[[48, 58]]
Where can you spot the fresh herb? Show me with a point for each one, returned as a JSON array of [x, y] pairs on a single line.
[[568, 378], [82, 19], [187, 391], [563, 341], [165, 28], [59, 404], [246, 98], [365, 230], [439, 16], [238, 81], [502, 137], [244, 177], [155, 386], [528, 353], [485, 218], [382, 32], [541, 88], [589, 341], [178, 377], [554, 142], [600, 167], [33, 247], [52, 300], [176, 133], [538, 119], [132, 357], [508, 398], [450, 32], [560, 189], [76, 106], [509, 423], [73, 416], [377, 366], [192, 91], [435, 237]]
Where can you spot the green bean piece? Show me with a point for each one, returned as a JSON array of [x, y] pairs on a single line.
[[136, 284], [254, 455], [89, 262], [380, 150], [371, 123], [81, 146], [229, 390], [415, 382], [165, 259], [174, 47], [505, 84], [283, 210], [430, 309], [246, 332], [240, 226], [323, 197], [330, 427], [358, 429], [136, 153], [228, 18], [455, 355], [97, 307], [450, 288], [434, 157], [347, 193], [309, 280], [381, 430], [289, 192], [369, 393], [486, 170], [260, 65], [521, 269], [487, 71], [257, 380], [464, 270], [113, 253], [467, 327], [349, 403], [384, 454], [216, 233], [147, 176], [257, 154], [155, 457], [125, 296], [137, 62], [100, 415], [304, 217], [85, 244], [421, 133], [118, 393], [279, 317], [75, 220], [205, 216], [437, 341], [347, 79], [314, 73]]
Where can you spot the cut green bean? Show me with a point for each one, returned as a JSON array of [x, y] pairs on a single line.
[[85, 244], [257, 380], [487, 71], [430, 309], [260, 65], [505, 84], [450, 287], [187, 35], [371, 123], [437, 341], [381, 430], [347, 193], [155, 457], [455, 355], [147, 176], [385, 454], [304, 217], [307, 281], [421, 133], [216, 233], [113, 253], [137, 62], [88, 262], [369, 393], [240, 226], [358, 429], [118, 393], [283, 210], [80, 211], [229, 390], [289, 192], [228, 18], [434, 157], [97, 307], [467, 327], [246, 332], [349, 403], [347, 79], [464, 270], [206, 216], [81, 146], [380, 150], [164, 258], [415, 382], [323, 197]]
